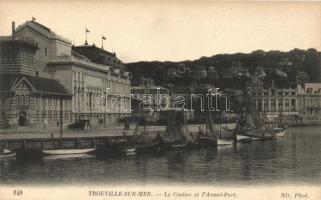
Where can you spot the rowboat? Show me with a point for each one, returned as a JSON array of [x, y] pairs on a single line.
[[178, 146], [67, 156], [279, 132], [67, 151], [221, 142], [243, 138], [130, 151], [60, 150], [6, 153]]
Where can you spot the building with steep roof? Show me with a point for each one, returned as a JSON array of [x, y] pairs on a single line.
[[95, 77], [27, 100]]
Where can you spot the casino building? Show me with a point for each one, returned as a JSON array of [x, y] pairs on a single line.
[[90, 79]]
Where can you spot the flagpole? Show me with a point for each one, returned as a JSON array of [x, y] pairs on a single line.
[[102, 42], [86, 43]]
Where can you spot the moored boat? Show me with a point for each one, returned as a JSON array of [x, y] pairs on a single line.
[[221, 142], [243, 138], [177, 135], [143, 148], [67, 156], [67, 151], [6, 153], [279, 132], [63, 151]]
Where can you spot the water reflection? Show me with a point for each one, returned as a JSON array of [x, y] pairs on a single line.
[[295, 158]]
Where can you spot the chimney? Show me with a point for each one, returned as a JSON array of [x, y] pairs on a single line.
[[13, 30]]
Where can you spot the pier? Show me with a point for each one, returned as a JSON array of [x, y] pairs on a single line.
[[28, 148]]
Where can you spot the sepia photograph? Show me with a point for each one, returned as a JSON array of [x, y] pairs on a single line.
[[142, 100]]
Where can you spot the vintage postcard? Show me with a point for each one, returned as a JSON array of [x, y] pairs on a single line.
[[142, 100]]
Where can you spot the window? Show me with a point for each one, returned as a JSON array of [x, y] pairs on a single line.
[[287, 104], [293, 104], [280, 104], [259, 105], [2, 99], [45, 51], [23, 100], [52, 75], [17, 99], [273, 104], [266, 104], [3, 116], [44, 101], [27, 99]]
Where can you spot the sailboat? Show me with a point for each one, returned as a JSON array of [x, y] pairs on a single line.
[[142, 143], [177, 135], [61, 151], [251, 126], [210, 138]]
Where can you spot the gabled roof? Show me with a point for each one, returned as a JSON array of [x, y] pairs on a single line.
[[7, 81], [42, 30], [43, 85]]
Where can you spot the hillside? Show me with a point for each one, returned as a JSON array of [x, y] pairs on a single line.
[[218, 67]]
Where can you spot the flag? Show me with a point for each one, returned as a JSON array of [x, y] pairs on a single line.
[[103, 37], [33, 18], [280, 73], [87, 31]]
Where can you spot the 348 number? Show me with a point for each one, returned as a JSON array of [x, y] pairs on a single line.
[[17, 192]]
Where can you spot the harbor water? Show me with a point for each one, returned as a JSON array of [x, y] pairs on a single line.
[[294, 159]]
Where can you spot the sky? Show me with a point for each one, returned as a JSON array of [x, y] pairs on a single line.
[[174, 30]]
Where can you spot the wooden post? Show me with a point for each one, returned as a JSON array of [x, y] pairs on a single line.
[[76, 142], [24, 143], [42, 144], [93, 142], [6, 143]]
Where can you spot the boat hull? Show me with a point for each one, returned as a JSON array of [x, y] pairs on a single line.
[[204, 141], [144, 148], [8, 155], [225, 130], [175, 146], [221, 142], [280, 134], [66, 151]]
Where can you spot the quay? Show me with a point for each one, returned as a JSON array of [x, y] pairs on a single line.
[[30, 143]]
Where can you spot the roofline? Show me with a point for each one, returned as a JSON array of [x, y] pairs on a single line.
[[95, 47], [56, 36], [84, 65]]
